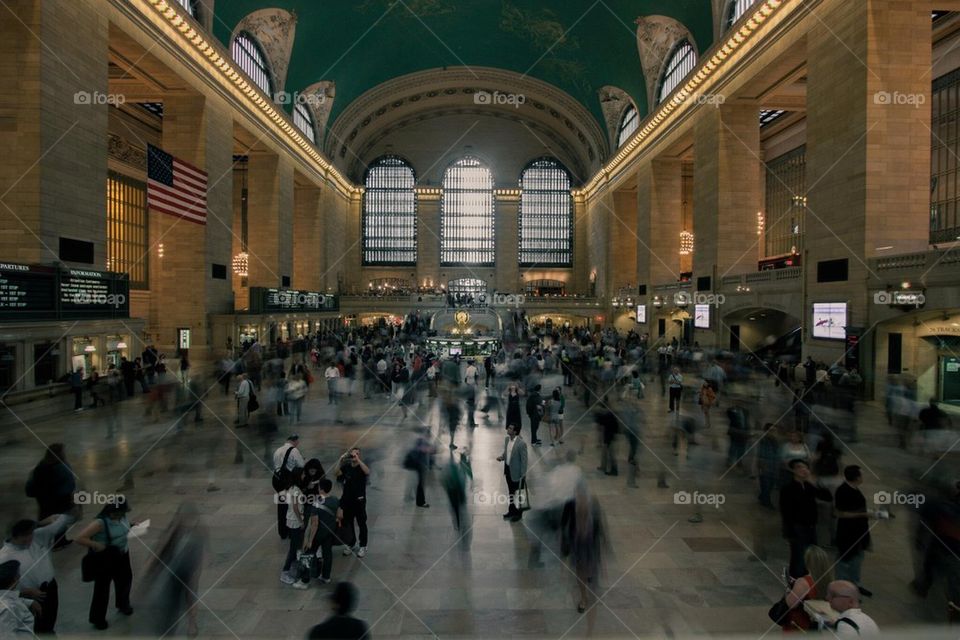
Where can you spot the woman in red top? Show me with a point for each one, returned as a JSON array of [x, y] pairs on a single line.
[[812, 586]]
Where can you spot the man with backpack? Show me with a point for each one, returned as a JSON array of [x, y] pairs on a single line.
[[286, 458]]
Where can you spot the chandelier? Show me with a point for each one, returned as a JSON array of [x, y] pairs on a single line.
[[686, 243], [241, 262], [760, 223]]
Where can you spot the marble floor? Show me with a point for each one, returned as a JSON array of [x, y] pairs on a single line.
[[664, 576]]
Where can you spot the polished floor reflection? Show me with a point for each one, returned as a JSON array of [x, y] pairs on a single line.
[[664, 574]]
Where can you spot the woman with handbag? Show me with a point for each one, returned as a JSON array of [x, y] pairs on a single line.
[[789, 612], [108, 561]]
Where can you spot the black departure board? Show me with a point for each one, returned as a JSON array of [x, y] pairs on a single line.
[[85, 293], [264, 300], [27, 292], [38, 292]]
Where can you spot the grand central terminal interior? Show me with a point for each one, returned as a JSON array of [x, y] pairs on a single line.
[[480, 318]]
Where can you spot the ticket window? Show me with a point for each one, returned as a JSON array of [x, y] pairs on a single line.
[[117, 348], [950, 380], [83, 355], [8, 366]]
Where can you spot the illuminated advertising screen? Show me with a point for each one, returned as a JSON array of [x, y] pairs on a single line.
[[829, 320], [642, 313], [701, 316]]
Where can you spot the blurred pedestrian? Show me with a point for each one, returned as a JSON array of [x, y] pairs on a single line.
[[341, 625]]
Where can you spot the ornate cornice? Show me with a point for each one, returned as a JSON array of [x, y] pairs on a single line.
[[119, 149]]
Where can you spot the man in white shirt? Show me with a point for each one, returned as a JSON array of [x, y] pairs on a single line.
[[289, 451], [244, 389], [30, 544], [472, 373], [16, 614], [331, 373], [844, 598]]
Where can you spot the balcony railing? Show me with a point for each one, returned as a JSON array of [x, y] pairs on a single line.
[[923, 260]]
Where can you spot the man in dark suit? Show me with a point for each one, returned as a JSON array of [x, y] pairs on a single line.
[[341, 624], [514, 460]]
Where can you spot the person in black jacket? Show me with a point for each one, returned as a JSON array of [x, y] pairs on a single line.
[[341, 625], [535, 413], [798, 509], [52, 484]]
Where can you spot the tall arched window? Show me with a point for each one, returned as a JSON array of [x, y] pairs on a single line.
[[737, 8], [546, 215], [304, 121], [190, 6], [389, 213], [680, 62], [248, 54], [629, 122], [466, 222]]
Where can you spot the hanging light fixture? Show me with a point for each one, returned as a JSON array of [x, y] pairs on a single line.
[[686, 243], [241, 264], [760, 223]]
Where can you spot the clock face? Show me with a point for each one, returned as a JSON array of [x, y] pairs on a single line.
[[462, 317]]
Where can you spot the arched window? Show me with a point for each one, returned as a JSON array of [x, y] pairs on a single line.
[[546, 215], [736, 9], [190, 6], [389, 213], [248, 54], [304, 121], [466, 222], [629, 122], [680, 62]]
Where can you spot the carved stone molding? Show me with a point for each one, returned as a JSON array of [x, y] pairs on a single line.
[[613, 101], [407, 97], [122, 151], [274, 30], [656, 37]]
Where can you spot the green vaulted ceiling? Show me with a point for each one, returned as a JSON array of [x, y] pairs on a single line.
[[577, 45]]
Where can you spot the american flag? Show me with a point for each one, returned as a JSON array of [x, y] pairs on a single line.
[[175, 187]]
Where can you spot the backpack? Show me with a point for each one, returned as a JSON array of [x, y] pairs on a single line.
[[282, 476]]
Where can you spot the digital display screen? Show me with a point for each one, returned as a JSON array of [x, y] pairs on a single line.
[[642, 313], [829, 320], [701, 316]]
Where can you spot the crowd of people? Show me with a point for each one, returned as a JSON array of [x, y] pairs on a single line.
[[786, 429]]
